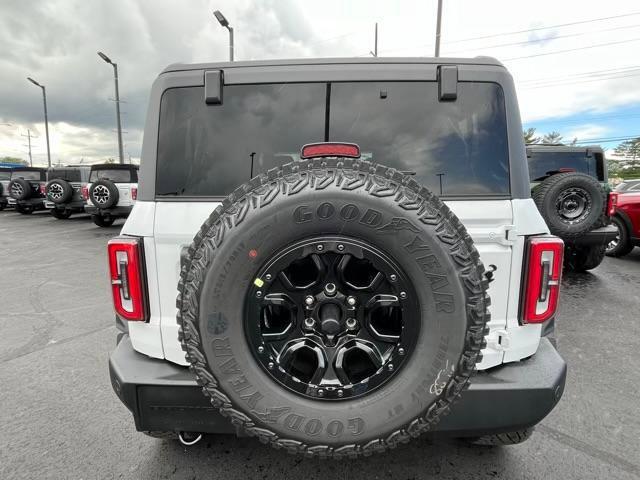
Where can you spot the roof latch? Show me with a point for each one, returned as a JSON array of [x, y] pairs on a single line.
[[447, 83], [213, 81]]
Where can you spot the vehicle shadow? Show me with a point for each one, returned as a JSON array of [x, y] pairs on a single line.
[[230, 457]]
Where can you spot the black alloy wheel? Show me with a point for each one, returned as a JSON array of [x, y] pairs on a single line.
[[574, 205], [331, 318]]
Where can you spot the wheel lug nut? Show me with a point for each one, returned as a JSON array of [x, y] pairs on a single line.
[[401, 351], [390, 367], [260, 349], [352, 323], [309, 323], [271, 365], [321, 393], [319, 248], [403, 294], [393, 277], [309, 300], [330, 289], [351, 301], [258, 294]]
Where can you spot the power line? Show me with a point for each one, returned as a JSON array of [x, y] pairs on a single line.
[[575, 82], [580, 74], [608, 139], [573, 49]]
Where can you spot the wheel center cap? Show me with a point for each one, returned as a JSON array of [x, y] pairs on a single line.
[[330, 314]]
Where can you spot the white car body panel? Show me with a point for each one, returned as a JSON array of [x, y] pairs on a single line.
[[498, 228]]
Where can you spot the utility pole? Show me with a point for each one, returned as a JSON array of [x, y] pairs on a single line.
[[46, 118], [375, 42], [225, 23], [115, 76], [438, 27], [28, 135]]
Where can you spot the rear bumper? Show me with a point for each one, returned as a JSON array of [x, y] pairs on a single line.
[[77, 206], [165, 397], [36, 203], [113, 212], [599, 236]]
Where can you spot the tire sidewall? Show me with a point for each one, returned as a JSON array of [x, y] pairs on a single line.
[[67, 191], [113, 194], [26, 189], [230, 276]]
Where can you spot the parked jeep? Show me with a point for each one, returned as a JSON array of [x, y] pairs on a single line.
[[569, 186], [27, 189], [111, 192], [64, 190], [626, 220], [5, 178], [335, 231]]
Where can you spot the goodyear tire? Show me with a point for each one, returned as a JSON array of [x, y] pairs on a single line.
[[332, 203], [59, 191], [104, 194]]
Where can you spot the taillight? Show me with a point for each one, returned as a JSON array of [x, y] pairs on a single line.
[[612, 204], [542, 280], [313, 150], [43, 188], [134, 193], [85, 192], [126, 267]]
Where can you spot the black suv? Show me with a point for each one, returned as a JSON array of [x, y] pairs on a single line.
[[64, 190], [27, 189], [569, 186]]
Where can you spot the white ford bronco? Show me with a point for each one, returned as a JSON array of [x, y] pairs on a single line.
[[355, 254], [111, 192]]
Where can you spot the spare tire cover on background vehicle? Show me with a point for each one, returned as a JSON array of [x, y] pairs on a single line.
[[59, 190], [20, 189], [571, 203], [329, 230], [104, 194]]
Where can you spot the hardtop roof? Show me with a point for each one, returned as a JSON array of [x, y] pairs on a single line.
[[480, 61], [563, 148], [114, 166]]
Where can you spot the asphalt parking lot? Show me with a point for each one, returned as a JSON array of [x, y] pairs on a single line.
[[60, 418]]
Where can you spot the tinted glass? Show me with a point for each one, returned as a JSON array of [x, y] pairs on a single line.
[[115, 175], [26, 175], [208, 150], [629, 185], [70, 175], [542, 163], [403, 125]]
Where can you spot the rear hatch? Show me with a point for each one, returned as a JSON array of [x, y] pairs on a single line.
[[125, 178], [458, 149]]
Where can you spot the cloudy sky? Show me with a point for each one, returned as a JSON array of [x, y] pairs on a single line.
[[575, 63]]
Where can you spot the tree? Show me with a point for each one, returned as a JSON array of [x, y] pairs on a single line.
[[110, 160], [552, 137], [629, 149], [17, 161], [627, 165], [530, 136]]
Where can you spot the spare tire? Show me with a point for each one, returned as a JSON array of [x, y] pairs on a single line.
[[104, 194], [20, 189], [59, 191], [332, 308], [571, 203]]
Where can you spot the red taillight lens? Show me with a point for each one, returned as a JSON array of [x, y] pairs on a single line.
[[126, 267], [85, 192], [43, 188], [542, 281], [612, 204], [313, 150], [134, 193]]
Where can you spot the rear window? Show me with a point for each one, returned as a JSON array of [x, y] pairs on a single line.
[[115, 175], [541, 164], [68, 174], [454, 148], [27, 175], [5, 175], [628, 186]]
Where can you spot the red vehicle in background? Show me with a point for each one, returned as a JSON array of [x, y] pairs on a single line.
[[627, 220]]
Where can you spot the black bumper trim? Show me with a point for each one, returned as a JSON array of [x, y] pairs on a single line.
[[114, 211], [165, 397], [599, 236]]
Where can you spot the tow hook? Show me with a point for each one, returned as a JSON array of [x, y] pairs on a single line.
[[189, 438]]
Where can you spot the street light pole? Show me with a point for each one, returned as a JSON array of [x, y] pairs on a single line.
[[438, 26], [46, 118], [225, 23], [119, 123]]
